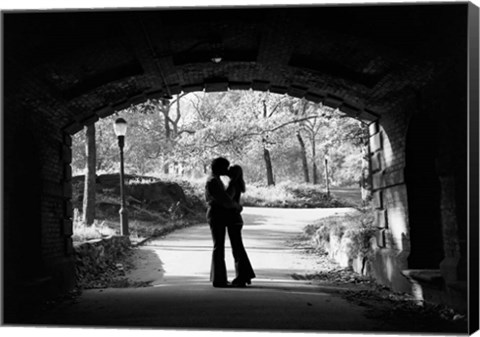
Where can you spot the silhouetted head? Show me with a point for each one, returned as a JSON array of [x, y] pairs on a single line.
[[235, 173], [220, 166]]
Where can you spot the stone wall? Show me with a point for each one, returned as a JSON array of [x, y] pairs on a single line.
[[387, 151]]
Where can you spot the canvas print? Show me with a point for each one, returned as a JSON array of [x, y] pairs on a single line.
[[272, 168]]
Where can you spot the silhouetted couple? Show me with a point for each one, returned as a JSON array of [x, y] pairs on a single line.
[[223, 213]]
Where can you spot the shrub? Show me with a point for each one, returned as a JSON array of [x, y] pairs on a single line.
[[359, 228], [323, 233], [320, 232], [266, 196], [312, 195], [361, 234], [311, 229]]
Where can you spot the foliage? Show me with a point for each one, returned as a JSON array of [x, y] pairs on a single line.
[[361, 234], [267, 196], [359, 228], [289, 194], [183, 135], [106, 148], [314, 195], [144, 221]]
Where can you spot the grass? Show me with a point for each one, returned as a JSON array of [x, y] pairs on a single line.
[[285, 194], [267, 196], [144, 223], [290, 195], [97, 230], [138, 229]]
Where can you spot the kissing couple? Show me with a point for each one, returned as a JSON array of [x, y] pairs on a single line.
[[224, 213]]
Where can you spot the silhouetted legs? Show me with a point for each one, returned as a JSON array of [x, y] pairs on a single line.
[[218, 271], [243, 269]]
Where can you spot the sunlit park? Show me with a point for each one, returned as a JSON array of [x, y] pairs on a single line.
[[294, 154], [140, 223]]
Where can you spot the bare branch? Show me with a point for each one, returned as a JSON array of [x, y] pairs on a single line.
[[191, 132], [280, 101], [278, 127], [178, 111], [178, 98]]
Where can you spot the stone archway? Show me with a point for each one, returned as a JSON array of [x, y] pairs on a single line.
[[67, 70]]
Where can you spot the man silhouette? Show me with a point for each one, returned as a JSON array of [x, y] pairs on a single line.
[[218, 204]]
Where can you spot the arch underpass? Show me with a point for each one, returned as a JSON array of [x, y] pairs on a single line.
[[381, 64]]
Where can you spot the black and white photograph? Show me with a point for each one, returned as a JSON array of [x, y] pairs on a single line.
[[289, 168]]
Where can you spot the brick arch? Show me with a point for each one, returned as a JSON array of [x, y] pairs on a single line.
[[66, 70], [89, 61], [350, 109]]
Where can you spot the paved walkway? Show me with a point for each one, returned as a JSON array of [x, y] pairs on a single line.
[[182, 297]]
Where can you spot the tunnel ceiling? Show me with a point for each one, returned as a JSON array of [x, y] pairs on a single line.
[[360, 58]]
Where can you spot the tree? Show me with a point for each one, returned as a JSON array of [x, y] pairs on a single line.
[[171, 125], [274, 137], [310, 126], [304, 156], [239, 122], [90, 177], [342, 140], [266, 151], [247, 125], [105, 148]]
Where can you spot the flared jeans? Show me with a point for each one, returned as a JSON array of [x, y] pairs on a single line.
[[243, 268], [218, 270]]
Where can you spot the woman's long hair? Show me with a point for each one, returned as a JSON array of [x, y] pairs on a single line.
[[236, 176]]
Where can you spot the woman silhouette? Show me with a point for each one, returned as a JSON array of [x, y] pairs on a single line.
[[243, 269]]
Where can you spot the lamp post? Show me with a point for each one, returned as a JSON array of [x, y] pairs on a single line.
[[120, 128]]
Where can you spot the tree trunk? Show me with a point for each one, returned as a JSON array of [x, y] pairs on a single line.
[[166, 114], [304, 158], [90, 175], [314, 163], [315, 173], [268, 165], [165, 108], [327, 187], [266, 153]]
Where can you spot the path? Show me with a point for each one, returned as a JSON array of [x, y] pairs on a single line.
[[184, 256], [181, 296]]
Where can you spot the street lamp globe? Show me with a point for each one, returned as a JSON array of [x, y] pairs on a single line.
[[120, 127], [216, 59], [166, 99]]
